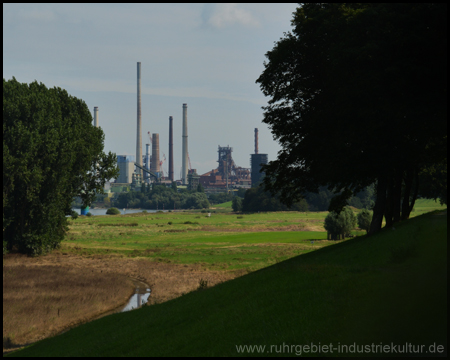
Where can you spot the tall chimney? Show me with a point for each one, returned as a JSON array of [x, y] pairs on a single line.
[[171, 148], [184, 170], [139, 131], [96, 116], [256, 140], [155, 153]]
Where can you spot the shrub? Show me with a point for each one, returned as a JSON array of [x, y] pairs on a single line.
[[364, 220], [170, 223], [341, 224], [74, 215], [113, 211], [88, 214], [5, 247]]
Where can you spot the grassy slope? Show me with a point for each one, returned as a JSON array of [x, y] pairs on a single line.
[[391, 287]]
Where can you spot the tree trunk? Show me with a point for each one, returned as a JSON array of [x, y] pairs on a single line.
[[380, 204], [388, 210], [416, 191], [408, 185], [397, 195]]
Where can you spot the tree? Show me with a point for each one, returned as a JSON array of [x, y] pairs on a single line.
[[358, 96], [174, 186], [51, 154], [200, 188], [340, 225], [236, 204], [364, 219]]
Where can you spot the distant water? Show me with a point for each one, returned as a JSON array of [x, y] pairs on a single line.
[[103, 211]]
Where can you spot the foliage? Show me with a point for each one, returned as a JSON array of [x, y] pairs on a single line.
[[257, 199], [5, 247], [200, 188], [174, 186], [113, 211], [347, 74], [220, 198], [74, 215], [364, 219], [237, 204], [51, 154], [340, 224], [162, 197], [433, 182], [89, 214]]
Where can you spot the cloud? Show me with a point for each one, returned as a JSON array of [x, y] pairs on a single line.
[[223, 15]]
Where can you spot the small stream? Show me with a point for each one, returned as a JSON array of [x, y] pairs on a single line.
[[139, 298]]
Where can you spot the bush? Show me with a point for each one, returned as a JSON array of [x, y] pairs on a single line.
[[113, 211], [88, 214], [340, 225], [5, 247], [364, 220], [74, 215]]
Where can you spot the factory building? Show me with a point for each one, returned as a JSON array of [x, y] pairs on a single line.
[[126, 168], [256, 160]]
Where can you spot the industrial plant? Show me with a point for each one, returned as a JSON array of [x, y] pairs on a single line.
[[143, 169]]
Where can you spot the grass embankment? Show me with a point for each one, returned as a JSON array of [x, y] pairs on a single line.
[[390, 288]]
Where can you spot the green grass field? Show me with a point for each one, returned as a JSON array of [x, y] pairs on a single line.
[[223, 241], [390, 288]]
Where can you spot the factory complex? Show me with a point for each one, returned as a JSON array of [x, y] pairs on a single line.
[[142, 169]]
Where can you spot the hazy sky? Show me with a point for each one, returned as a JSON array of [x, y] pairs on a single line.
[[205, 55]]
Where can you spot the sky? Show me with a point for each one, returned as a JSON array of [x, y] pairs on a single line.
[[205, 55]]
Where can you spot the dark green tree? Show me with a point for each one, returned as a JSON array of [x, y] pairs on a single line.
[[200, 188], [174, 186], [364, 219], [51, 154], [340, 225], [236, 204], [358, 95]]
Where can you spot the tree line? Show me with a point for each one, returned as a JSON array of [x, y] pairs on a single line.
[[162, 197]]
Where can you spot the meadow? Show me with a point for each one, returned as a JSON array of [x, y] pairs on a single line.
[[174, 252], [387, 289]]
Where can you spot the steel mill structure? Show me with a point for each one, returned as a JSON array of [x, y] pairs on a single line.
[[227, 175], [256, 160]]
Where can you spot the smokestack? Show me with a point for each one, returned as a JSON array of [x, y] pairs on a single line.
[[184, 170], [96, 116], [147, 159], [155, 153], [139, 132], [256, 140], [171, 148]]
